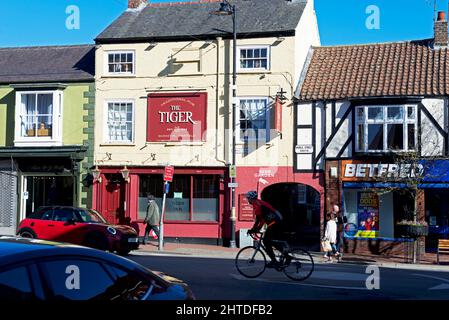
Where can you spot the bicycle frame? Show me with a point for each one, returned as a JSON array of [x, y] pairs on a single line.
[[260, 245]]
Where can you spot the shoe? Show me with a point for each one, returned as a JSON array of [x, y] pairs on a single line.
[[272, 264]]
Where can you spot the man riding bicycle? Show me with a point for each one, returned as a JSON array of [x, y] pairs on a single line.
[[266, 214]]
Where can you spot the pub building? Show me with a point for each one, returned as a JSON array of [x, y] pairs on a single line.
[[379, 124], [164, 97]]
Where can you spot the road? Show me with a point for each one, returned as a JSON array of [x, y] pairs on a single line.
[[217, 279]]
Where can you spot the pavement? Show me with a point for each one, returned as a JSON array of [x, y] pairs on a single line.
[[427, 261]]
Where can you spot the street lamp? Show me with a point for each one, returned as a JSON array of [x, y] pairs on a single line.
[[228, 9]]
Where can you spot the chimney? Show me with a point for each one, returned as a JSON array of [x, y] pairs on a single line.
[[441, 30], [136, 4]]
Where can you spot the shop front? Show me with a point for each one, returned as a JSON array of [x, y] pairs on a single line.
[[377, 195], [195, 202]]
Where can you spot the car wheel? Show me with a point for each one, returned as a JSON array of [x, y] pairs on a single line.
[[96, 241], [27, 233]]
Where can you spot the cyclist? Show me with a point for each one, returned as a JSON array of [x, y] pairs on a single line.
[[266, 214]]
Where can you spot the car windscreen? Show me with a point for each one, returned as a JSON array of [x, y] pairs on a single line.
[[91, 216]]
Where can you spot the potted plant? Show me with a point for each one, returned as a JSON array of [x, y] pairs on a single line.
[[412, 229]]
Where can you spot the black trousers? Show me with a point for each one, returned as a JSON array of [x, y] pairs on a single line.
[[273, 233], [148, 228]]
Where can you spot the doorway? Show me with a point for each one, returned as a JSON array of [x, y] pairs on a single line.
[[299, 205], [113, 206]]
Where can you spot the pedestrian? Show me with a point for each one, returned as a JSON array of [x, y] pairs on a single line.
[[152, 218], [340, 219], [331, 235]]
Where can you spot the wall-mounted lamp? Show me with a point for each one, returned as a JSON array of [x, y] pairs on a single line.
[[153, 157], [125, 174], [96, 173]]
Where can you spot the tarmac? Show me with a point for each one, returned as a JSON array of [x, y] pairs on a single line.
[[426, 261]]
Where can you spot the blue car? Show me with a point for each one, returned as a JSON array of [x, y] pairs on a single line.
[[32, 269]]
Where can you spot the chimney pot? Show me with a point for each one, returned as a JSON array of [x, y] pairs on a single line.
[[441, 16], [135, 4]]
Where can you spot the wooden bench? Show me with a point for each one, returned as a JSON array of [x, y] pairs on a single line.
[[443, 247]]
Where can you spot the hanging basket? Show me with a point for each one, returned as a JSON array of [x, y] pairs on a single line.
[[412, 231]]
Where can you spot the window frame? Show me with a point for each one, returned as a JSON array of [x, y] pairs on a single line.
[[253, 47], [106, 139], [405, 121], [241, 139], [57, 120], [119, 74]]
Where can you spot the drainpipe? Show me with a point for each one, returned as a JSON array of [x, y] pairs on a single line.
[[217, 157]]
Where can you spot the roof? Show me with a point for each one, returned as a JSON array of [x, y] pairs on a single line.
[[411, 68], [194, 20], [47, 64]]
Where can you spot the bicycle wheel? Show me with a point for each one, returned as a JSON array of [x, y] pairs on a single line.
[[301, 265], [250, 262]]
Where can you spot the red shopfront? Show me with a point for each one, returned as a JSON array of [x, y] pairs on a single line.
[[195, 207]]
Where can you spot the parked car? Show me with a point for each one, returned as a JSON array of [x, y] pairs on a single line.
[[78, 226], [32, 269]]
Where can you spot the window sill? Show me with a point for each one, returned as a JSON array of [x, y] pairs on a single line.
[[254, 71], [37, 143], [118, 76]]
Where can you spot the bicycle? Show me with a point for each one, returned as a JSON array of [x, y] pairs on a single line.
[[296, 263]]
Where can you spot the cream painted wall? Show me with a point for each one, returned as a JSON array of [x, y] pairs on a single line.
[[153, 75]]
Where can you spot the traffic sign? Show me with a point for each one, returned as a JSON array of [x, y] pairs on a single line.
[[232, 172], [233, 185], [168, 175]]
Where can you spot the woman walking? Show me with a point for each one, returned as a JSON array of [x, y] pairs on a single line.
[[331, 235]]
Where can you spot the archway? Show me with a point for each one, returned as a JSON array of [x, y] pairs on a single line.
[[300, 207]]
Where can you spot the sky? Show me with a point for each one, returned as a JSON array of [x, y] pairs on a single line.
[[44, 22]]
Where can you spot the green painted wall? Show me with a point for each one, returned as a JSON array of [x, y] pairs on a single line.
[[72, 114], [7, 102]]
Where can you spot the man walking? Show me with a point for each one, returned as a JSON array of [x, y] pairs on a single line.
[[152, 218]]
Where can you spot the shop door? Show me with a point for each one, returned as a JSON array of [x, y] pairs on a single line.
[[113, 208]]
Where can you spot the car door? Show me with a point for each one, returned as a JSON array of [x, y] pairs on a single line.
[[43, 224], [62, 228]]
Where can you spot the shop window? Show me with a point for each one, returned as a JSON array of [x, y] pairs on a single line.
[[386, 128], [190, 198], [205, 198], [38, 118]]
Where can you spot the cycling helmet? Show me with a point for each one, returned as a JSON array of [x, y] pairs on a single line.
[[252, 195]]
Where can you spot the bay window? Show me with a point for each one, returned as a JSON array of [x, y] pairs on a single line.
[[38, 118], [386, 128]]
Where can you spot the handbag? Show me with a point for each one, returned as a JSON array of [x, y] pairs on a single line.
[[326, 245]]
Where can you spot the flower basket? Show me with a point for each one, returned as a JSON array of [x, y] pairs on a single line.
[[412, 231]]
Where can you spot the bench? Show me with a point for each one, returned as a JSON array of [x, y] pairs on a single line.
[[443, 247]]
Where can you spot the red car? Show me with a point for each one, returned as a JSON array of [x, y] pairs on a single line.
[[78, 226]]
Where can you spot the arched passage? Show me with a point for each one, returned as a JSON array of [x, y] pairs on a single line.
[[300, 207]]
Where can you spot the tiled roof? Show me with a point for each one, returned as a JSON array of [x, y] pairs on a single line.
[[192, 20], [47, 64], [375, 70]]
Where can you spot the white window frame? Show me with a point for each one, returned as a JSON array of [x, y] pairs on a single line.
[[239, 57], [267, 119], [106, 126], [119, 74], [385, 122], [56, 138]]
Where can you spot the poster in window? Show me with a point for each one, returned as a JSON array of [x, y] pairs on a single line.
[[368, 215], [246, 212]]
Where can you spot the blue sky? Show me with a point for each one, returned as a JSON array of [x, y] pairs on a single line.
[[43, 22]]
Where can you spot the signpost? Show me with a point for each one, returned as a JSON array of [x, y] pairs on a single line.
[[168, 177]]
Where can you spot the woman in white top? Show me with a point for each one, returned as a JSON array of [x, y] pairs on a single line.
[[331, 235]]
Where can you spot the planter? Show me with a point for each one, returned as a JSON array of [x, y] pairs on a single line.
[[412, 231]]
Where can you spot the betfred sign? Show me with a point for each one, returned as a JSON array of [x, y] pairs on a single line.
[[352, 170], [177, 117], [168, 174]]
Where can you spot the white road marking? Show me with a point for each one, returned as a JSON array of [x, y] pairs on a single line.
[[240, 278]]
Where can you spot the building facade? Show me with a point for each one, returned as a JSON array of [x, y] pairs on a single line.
[[164, 97], [46, 135], [377, 116]]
